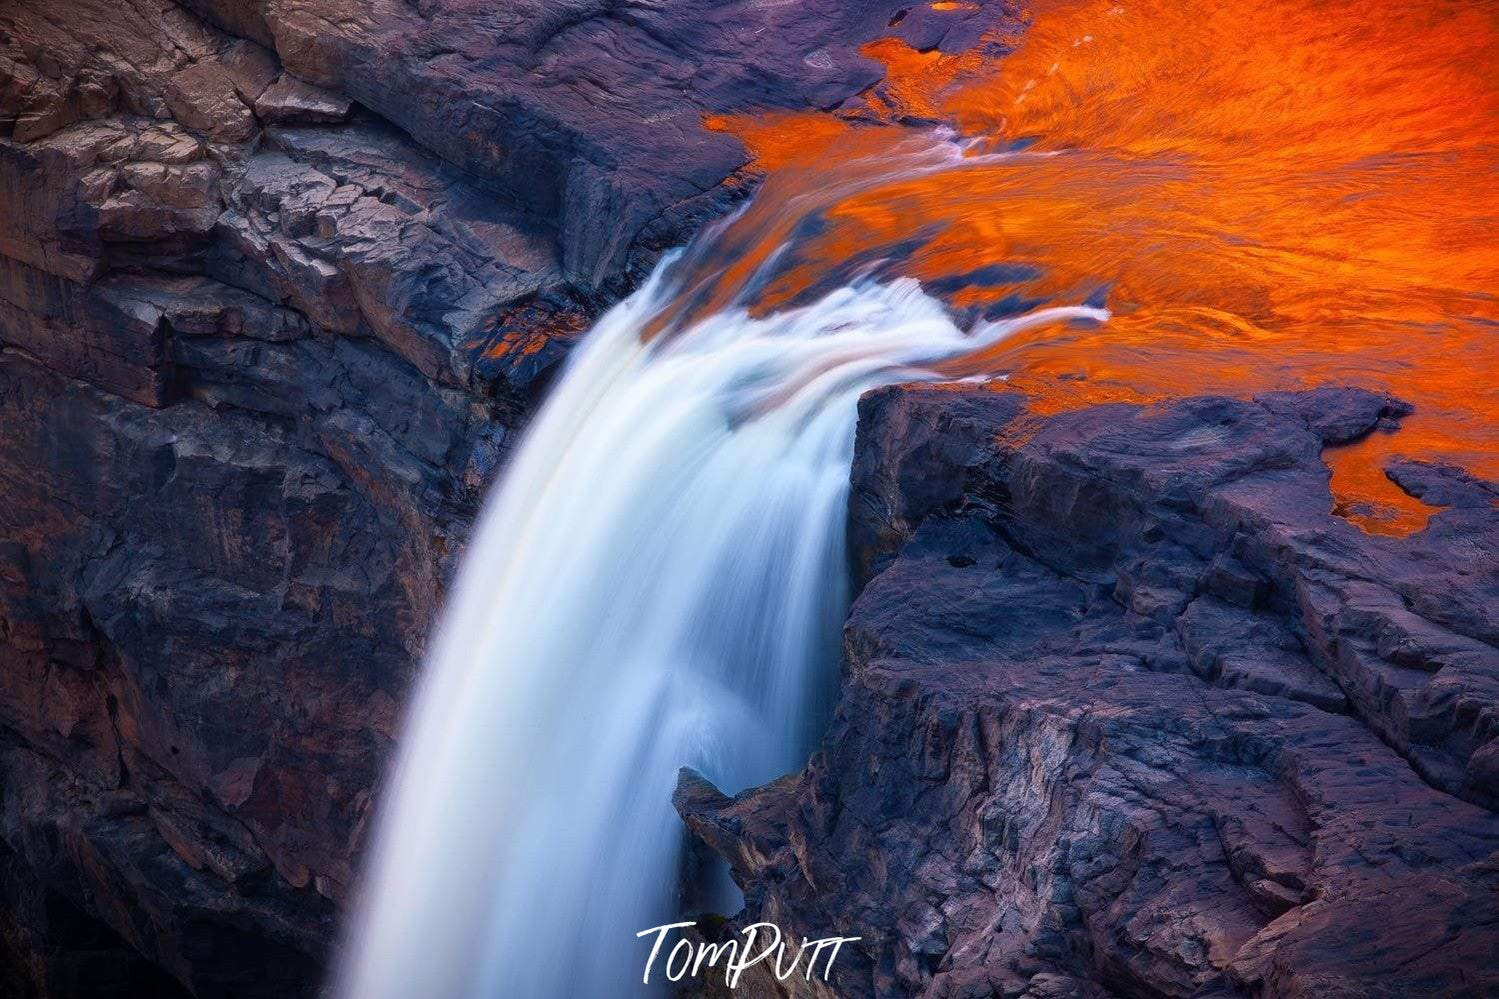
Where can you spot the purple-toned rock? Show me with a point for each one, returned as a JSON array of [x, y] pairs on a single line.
[[278, 284], [290, 100], [1127, 711]]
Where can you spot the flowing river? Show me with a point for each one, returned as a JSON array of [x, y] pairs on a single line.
[[1264, 195]]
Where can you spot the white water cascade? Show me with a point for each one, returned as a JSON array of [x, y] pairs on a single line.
[[658, 581]]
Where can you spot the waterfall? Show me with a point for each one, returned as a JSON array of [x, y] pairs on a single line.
[[657, 581]]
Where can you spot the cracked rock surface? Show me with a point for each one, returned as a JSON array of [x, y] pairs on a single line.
[[279, 280], [1128, 712]]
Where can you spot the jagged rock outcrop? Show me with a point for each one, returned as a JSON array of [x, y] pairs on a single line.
[[279, 279], [1128, 711]]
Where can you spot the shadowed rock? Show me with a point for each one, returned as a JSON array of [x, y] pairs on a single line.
[[278, 283], [1128, 711]]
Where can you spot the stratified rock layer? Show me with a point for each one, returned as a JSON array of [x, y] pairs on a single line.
[[278, 281], [1127, 711]]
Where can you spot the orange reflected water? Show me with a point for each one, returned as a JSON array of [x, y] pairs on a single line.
[[1267, 194]]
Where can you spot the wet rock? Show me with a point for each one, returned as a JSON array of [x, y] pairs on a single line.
[[1127, 711], [583, 112], [1439, 484], [278, 285]]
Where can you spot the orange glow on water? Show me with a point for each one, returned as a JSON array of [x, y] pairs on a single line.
[[1267, 194]]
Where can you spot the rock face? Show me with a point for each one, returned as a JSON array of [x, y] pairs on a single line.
[[1127, 711], [279, 279]]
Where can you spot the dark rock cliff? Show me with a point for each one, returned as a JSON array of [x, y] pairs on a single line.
[[1128, 711], [278, 281]]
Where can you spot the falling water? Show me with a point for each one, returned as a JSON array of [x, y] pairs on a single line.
[[657, 582]]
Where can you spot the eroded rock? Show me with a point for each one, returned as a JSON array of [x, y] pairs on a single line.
[[278, 284], [1128, 711]]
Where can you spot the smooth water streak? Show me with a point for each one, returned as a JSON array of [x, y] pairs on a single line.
[[1271, 194], [658, 581]]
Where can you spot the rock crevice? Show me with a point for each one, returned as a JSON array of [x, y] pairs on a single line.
[[1129, 711], [279, 282]]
